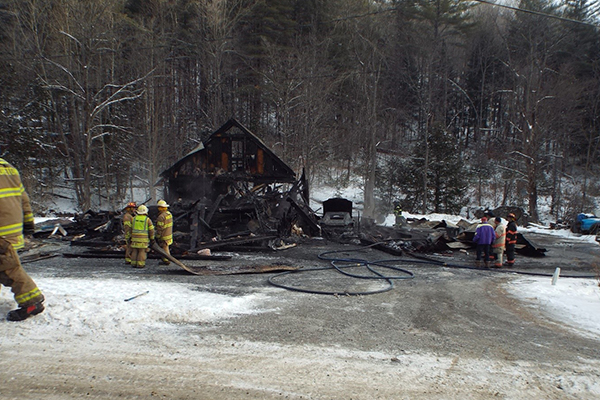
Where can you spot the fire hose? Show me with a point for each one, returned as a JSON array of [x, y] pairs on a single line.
[[163, 253], [341, 265], [336, 263]]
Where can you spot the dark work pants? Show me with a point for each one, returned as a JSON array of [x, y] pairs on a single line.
[[485, 250], [510, 253]]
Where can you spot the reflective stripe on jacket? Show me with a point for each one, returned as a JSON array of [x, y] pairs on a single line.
[[164, 227], [500, 237], [511, 233], [142, 232], [15, 208], [127, 224]]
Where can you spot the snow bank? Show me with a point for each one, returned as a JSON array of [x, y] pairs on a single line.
[[81, 306], [572, 301]]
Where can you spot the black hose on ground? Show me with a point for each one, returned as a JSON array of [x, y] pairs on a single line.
[[427, 260], [389, 287], [351, 263], [405, 274]]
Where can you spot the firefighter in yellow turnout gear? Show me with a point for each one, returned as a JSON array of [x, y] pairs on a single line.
[[15, 217], [164, 228], [141, 237], [127, 226]]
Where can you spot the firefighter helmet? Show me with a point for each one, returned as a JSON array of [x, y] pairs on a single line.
[[131, 204], [142, 210], [162, 203], [511, 215]]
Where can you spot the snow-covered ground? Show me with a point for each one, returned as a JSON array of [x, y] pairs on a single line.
[[122, 338], [575, 302], [108, 334], [81, 305]]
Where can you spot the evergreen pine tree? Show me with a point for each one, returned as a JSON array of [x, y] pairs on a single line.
[[446, 174]]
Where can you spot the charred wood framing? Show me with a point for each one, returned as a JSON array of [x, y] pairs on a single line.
[[233, 184], [232, 152]]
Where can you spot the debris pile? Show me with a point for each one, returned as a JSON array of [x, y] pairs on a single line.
[[425, 236], [267, 219]]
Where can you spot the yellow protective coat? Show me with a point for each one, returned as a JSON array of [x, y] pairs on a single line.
[[14, 205], [127, 227], [164, 232], [142, 233], [14, 211], [164, 227]]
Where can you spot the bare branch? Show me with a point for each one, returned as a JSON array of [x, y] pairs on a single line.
[[518, 153], [102, 126], [545, 98], [71, 37], [65, 70], [515, 171], [105, 104], [62, 88], [101, 135], [112, 99]]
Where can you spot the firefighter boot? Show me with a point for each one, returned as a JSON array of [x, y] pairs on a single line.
[[487, 264], [25, 312]]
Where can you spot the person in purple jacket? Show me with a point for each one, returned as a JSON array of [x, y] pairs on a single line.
[[484, 237]]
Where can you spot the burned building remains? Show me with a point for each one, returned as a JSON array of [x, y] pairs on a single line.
[[233, 185]]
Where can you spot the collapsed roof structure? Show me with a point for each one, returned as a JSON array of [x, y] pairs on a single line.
[[233, 185], [231, 153]]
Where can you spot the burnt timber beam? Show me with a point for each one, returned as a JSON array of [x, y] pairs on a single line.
[[229, 242], [314, 226], [214, 208]]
